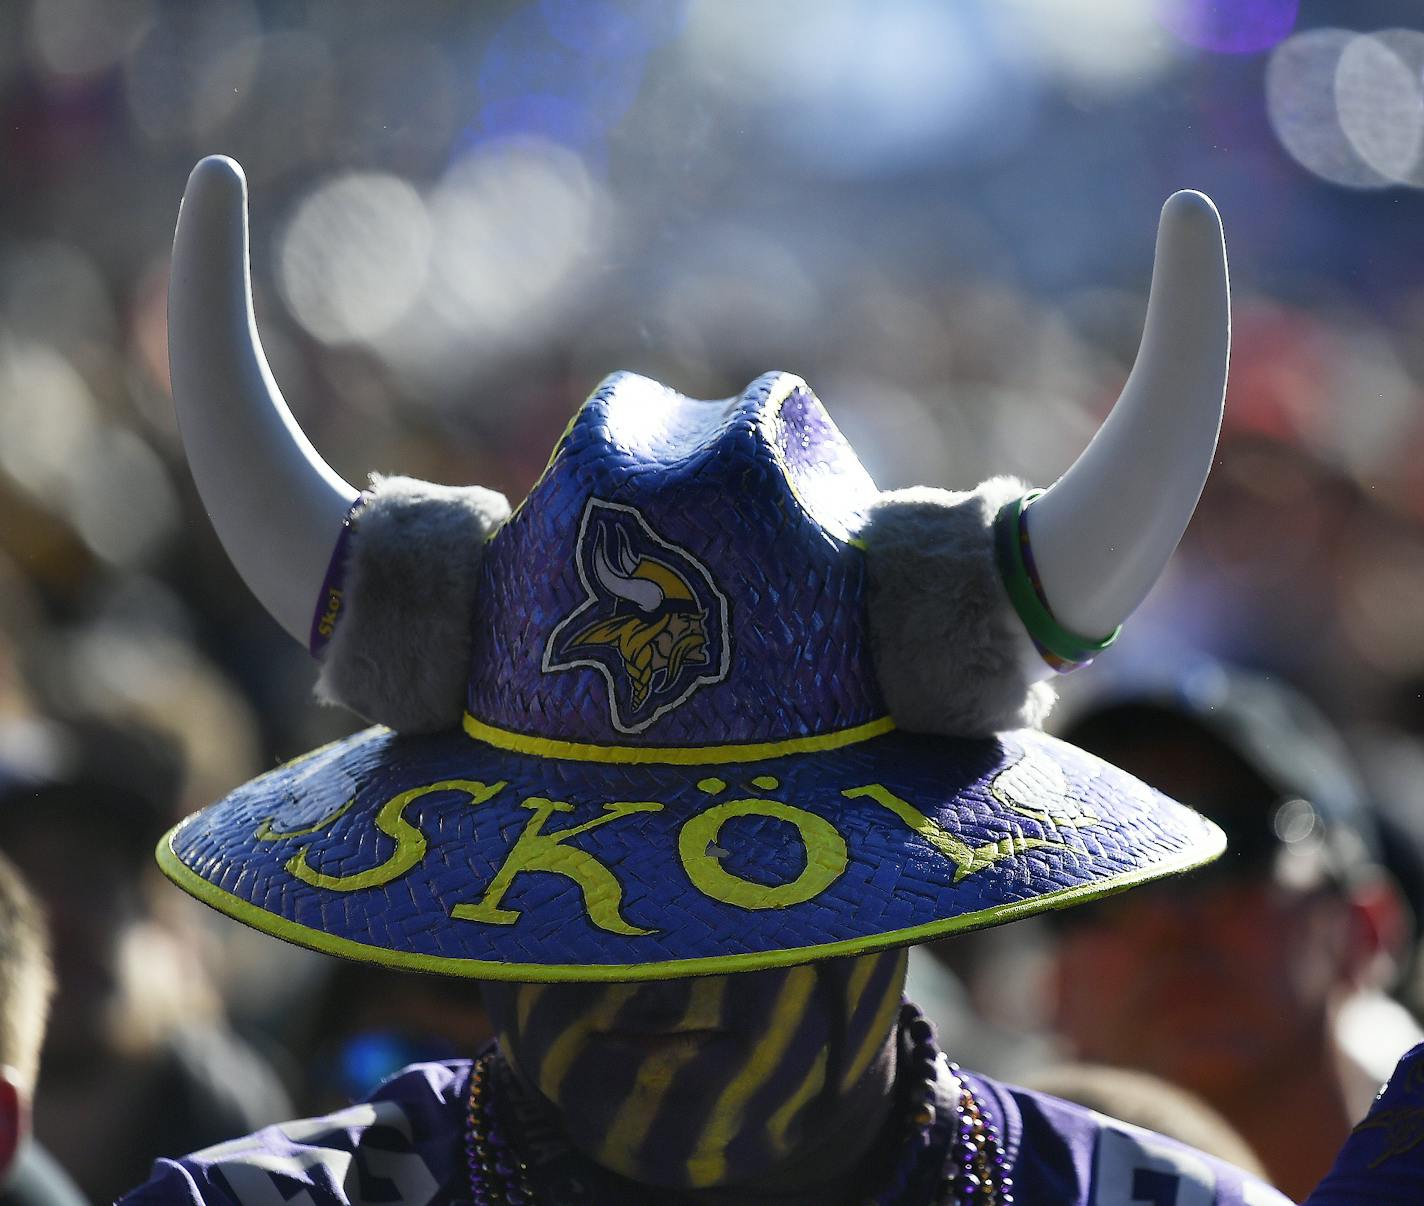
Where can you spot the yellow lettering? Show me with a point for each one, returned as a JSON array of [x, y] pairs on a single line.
[[333, 609], [825, 856], [536, 850], [966, 859], [390, 820]]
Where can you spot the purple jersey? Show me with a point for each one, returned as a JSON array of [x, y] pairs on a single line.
[[1383, 1159], [405, 1144]]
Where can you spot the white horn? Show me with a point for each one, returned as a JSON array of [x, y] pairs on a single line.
[[277, 506], [648, 596], [1103, 533]]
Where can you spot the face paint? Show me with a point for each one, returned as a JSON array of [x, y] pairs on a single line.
[[711, 1080]]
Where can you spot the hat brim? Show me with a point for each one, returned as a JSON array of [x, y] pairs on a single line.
[[514, 861]]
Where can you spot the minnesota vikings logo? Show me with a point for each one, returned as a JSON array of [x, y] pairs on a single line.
[[654, 623]]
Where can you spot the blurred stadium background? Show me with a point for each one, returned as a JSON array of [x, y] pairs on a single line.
[[941, 214]]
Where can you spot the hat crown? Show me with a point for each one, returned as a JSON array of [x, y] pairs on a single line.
[[684, 573]]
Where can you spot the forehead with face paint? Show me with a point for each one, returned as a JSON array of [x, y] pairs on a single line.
[[712, 1080]]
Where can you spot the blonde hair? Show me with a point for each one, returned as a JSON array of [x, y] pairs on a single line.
[[26, 977]]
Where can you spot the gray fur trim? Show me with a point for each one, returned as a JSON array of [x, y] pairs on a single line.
[[400, 655], [945, 638]]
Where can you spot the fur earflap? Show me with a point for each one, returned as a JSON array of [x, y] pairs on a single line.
[[945, 638], [401, 651]]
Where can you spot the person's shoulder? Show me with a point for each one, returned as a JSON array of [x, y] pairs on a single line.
[[1109, 1162], [1382, 1162], [405, 1135]]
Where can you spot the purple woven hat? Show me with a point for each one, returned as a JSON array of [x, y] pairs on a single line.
[[706, 700]]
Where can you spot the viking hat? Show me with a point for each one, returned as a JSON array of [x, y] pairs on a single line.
[[706, 700]]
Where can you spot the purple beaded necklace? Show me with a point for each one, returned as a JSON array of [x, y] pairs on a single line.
[[941, 1114]]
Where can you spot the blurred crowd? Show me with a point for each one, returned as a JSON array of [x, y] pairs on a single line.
[[464, 215]]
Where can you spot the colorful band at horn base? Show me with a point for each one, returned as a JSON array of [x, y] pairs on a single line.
[[1061, 649], [333, 586]]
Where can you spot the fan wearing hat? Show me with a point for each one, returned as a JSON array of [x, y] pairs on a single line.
[[678, 757], [1259, 987]]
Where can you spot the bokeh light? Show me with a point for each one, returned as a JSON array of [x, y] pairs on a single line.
[[1380, 100], [53, 292], [1301, 104], [97, 476], [568, 72], [513, 223], [118, 496], [860, 87], [1231, 26], [355, 256], [1103, 45], [1349, 106], [189, 71], [80, 37], [48, 411]]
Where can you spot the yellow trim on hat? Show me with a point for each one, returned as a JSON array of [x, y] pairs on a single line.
[[671, 969], [674, 755]]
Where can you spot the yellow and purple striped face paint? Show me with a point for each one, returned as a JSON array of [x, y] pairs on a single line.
[[707, 1081]]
